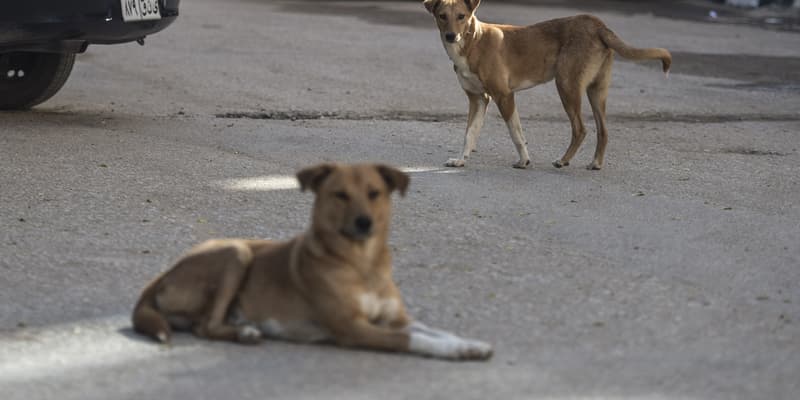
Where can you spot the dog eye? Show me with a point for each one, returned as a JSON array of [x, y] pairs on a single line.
[[443, 17], [342, 196], [461, 16], [373, 194]]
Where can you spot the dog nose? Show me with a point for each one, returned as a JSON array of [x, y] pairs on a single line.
[[363, 224], [450, 37]]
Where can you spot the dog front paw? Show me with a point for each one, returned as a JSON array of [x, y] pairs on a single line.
[[522, 164], [444, 345], [454, 162], [560, 164], [594, 167], [475, 350], [249, 334]]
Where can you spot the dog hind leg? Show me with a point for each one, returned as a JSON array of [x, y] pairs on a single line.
[[208, 304], [570, 92], [598, 93], [217, 325]]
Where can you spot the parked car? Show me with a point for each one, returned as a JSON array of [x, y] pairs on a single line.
[[39, 39]]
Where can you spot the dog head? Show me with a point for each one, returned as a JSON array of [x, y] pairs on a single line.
[[353, 201], [452, 16]]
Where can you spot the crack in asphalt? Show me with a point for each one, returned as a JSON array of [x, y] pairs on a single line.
[[754, 152], [345, 115], [420, 116]]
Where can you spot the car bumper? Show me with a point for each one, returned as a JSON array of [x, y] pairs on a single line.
[[70, 26]]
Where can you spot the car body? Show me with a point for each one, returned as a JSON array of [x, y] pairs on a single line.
[[39, 39]]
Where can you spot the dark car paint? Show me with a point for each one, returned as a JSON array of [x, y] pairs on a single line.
[[71, 25]]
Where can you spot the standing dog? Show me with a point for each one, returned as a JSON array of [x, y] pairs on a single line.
[[332, 283], [495, 61]]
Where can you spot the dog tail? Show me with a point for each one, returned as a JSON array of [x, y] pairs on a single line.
[[147, 320], [615, 43]]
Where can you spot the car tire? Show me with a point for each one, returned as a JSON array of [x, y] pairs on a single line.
[[28, 78]]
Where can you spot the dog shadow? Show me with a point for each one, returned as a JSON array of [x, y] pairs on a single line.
[[129, 333]]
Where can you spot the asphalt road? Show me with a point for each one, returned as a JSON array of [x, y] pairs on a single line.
[[673, 273]]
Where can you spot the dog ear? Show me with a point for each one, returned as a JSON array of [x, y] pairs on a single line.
[[312, 177], [431, 5], [472, 4], [394, 178]]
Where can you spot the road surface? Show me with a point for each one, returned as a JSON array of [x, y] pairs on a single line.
[[673, 273]]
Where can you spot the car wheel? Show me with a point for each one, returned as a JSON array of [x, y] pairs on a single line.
[[27, 78]]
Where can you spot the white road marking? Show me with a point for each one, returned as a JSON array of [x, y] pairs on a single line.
[[289, 182], [435, 170], [261, 183]]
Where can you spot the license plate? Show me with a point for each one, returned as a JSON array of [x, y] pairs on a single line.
[[140, 10]]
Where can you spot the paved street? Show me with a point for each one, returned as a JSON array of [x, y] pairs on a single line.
[[673, 273]]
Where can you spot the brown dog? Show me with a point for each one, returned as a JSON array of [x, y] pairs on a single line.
[[332, 283], [495, 61]]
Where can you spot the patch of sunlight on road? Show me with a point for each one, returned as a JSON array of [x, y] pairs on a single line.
[[260, 183], [288, 182], [433, 170], [35, 353], [612, 397]]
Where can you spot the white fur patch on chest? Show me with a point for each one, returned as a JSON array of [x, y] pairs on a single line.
[[469, 81], [375, 308]]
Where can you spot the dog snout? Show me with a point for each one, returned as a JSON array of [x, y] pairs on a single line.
[[450, 37], [363, 224]]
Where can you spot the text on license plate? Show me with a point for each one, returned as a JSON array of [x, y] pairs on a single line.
[[139, 10]]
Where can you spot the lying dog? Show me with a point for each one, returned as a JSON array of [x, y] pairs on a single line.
[[332, 283], [495, 61]]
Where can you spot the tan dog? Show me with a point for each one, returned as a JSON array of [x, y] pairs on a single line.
[[495, 61], [332, 283]]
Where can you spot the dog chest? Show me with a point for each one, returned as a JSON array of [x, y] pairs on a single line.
[[376, 308], [468, 80]]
